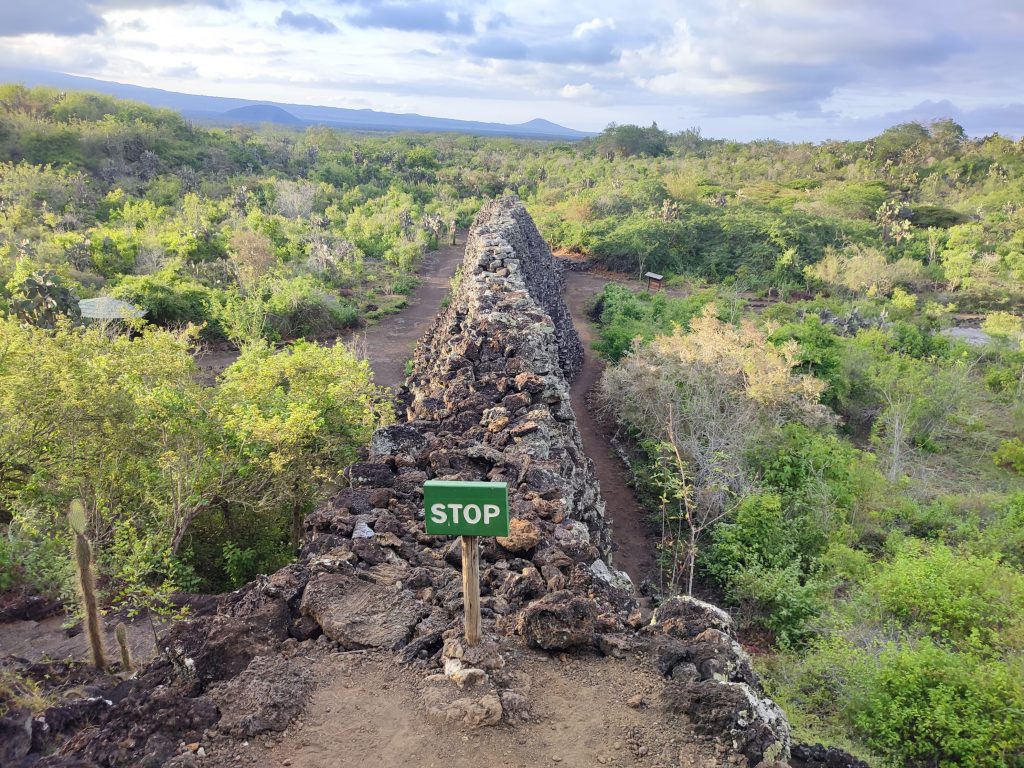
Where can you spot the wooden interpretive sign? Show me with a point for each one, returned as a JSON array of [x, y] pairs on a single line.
[[469, 510]]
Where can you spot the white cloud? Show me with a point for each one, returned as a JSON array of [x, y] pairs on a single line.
[[581, 92], [594, 25]]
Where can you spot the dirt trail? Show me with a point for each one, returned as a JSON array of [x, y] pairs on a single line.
[[632, 537], [369, 714], [389, 343]]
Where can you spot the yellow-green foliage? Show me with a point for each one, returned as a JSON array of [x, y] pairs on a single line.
[[17, 692], [866, 271], [122, 423]]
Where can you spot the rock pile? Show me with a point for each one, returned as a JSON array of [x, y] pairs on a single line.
[[488, 399]]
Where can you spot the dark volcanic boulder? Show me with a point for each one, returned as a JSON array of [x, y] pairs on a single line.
[[15, 737], [754, 724], [688, 617], [361, 614], [817, 756], [267, 696], [558, 621], [396, 439]]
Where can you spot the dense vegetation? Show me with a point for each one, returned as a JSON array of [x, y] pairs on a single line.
[[818, 443], [847, 477], [822, 450]]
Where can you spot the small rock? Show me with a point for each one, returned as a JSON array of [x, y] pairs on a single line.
[[462, 675], [523, 535], [637, 701], [362, 531]]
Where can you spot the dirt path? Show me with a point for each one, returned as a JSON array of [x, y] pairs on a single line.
[[632, 538], [369, 714], [389, 343]]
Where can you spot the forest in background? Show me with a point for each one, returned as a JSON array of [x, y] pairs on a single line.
[[821, 447]]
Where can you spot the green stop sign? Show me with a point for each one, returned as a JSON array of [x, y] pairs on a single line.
[[454, 508]]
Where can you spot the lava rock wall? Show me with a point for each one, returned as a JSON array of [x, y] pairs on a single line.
[[490, 383]]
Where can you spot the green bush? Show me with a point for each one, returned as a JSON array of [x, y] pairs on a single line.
[[31, 563], [113, 251], [755, 556], [177, 468], [819, 352], [927, 706], [299, 308], [952, 596], [170, 301], [785, 601], [1011, 455], [1005, 534], [756, 534], [625, 315]]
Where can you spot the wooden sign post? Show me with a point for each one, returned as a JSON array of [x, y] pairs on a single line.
[[471, 588], [469, 510]]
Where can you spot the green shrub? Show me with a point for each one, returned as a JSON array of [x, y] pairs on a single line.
[[947, 594], [785, 601], [755, 556], [625, 315], [819, 352], [1005, 534], [112, 251], [32, 563], [177, 468], [756, 534], [928, 706], [1010, 455], [299, 308], [814, 686], [169, 301]]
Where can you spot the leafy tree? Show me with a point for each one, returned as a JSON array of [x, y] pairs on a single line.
[[297, 417], [628, 140]]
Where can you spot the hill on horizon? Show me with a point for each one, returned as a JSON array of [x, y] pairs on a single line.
[[262, 113], [219, 109]]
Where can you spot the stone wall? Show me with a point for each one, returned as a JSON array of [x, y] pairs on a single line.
[[490, 383]]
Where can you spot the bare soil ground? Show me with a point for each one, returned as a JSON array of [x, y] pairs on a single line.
[[369, 714], [633, 538], [390, 343]]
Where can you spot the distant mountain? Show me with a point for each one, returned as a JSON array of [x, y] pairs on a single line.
[[262, 113], [220, 110]]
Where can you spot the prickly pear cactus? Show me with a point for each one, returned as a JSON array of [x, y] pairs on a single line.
[[42, 298]]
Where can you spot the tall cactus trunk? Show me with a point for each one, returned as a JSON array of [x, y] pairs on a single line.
[[121, 632], [87, 585]]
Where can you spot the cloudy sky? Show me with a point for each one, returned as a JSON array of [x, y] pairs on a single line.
[[789, 69]]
